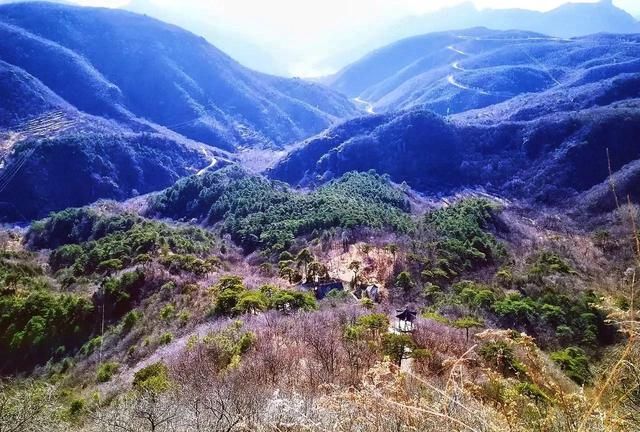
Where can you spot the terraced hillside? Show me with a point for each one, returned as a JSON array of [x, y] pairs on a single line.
[[53, 156]]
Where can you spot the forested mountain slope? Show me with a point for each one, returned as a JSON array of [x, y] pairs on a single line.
[[455, 71], [116, 61], [549, 146], [101, 103]]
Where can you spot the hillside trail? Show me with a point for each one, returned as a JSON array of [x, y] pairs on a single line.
[[458, 68], [166, 354], [451, 79], [212, 159], [406, 366]]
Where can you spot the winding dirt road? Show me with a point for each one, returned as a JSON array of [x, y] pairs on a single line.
[[213, 163], [456, 64], [367, 105], [456, 67]]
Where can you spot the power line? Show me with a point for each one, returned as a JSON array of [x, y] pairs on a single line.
[[4, 183], [36, 127], [184, 123], [10, 171], [539, 63]]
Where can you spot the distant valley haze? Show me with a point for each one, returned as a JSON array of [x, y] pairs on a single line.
[[318, 38]]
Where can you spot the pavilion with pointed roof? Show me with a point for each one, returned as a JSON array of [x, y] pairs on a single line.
[[406, 318]]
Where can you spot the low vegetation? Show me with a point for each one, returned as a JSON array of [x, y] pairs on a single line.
[[504, 339], [232, 298]]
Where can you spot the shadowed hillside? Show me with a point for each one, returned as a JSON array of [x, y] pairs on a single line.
[[162, 73], [549, 146]]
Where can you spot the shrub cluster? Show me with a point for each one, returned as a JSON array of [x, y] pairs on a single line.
[[232, 298], [89, 242], [569, 319], [462, 239]]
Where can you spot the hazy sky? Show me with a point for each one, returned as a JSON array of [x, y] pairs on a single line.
[[299, 27], [307, 17], [301, 21]]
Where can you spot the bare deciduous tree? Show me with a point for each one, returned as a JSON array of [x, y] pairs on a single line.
[[139, 411], [29, 407]]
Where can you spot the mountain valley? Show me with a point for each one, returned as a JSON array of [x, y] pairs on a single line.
[[65, 67], [442, 236]]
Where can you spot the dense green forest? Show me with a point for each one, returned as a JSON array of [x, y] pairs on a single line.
[[259, 213]]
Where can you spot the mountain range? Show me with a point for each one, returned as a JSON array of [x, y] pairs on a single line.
[[565, 21], [534, 117], [568, 20], [187, 244], [451, 72], [102, 103], [139, 76]]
